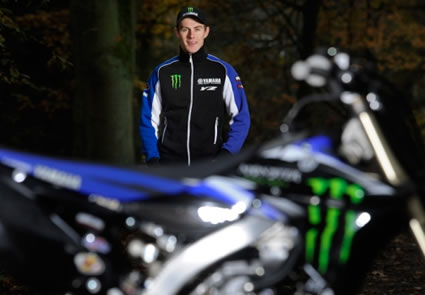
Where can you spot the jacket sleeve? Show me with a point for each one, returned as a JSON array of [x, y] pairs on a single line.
[[237, 108], [150, 117]]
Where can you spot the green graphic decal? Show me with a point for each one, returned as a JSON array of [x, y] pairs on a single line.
[[327, 234], [190, 9], [176, 81], [356, 193], [336, 189], [314, 214], [350, 231], [310, 240], [311, 236], [318, 185]]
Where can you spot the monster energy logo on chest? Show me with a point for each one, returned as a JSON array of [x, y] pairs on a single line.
[[176, 81]]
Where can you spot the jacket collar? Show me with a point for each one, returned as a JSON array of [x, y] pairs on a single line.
[[198, 56]]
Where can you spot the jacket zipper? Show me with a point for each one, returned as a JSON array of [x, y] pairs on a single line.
[[165, 129], [189, 117], [216, 130]]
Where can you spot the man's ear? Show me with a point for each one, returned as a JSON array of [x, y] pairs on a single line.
[[207, 31]]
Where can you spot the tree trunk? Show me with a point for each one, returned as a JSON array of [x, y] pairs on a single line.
[[104, 57], [311, 10]]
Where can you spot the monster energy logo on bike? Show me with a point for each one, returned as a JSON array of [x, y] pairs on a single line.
[[176, 81], [325, 224]]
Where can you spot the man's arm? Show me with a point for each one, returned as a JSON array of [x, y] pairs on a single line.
[[237, 108], [150, 118]]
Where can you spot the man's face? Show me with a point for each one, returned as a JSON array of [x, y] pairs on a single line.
[[191, 34]]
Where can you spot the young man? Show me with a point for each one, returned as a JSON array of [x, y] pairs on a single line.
[[185, 104]]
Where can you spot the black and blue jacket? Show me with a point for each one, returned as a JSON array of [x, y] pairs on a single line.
[[185, 106]]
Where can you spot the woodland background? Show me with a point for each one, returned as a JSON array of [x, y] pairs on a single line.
[[72, 71]]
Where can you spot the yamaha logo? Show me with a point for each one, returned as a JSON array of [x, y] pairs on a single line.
[[209, 81]]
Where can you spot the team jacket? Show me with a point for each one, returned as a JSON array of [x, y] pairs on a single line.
[[184, 108]]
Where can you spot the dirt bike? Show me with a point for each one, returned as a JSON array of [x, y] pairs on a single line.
[[302, 214]]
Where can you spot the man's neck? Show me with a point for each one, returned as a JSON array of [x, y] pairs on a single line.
[[197, 56]]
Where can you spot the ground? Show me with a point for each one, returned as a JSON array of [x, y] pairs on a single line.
[[398, 270]]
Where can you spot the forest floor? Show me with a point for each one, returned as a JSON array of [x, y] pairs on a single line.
[[398, 270]]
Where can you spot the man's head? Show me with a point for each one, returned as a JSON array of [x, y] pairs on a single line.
[[191, 29]]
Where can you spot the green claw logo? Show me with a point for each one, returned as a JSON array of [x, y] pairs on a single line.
[[325, 224], [176, 81]]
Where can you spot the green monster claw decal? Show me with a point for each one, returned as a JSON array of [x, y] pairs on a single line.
[[334, 188], [176, 81], [350, 219], [311, 235], [326, 241]]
